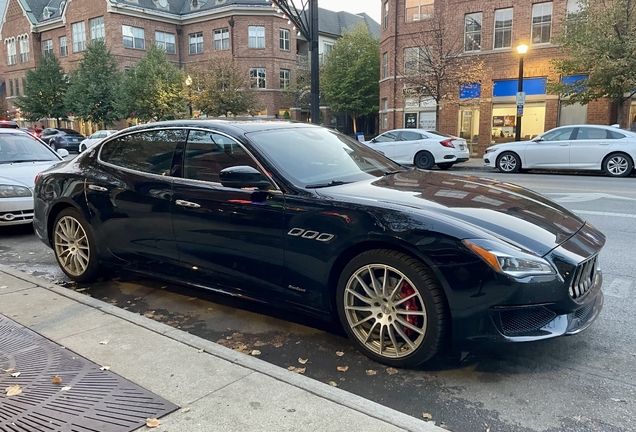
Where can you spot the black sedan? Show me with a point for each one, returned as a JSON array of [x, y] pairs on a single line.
[[67, 139], [303, 217]]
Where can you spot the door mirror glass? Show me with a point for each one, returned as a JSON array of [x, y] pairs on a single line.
[[243, 177], [538, 139], [62, 153]]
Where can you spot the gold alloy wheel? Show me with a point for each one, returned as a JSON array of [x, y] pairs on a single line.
[[71, 246], [385, 311]]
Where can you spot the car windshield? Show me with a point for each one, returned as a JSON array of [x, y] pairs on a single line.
[[316, 157], [23, 148]]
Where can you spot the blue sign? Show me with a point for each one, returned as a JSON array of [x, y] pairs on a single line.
[[519, 110]]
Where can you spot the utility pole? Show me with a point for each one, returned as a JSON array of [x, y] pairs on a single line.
[[305, 19]]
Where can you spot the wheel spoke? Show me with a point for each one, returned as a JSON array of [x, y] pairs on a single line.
[[374, 281], [360, 308], [359, 296], [404, 337], [397, 287], [385, 282], [410, 326], [363, 321], [393, 340], [402, 300], [381, 339], [371, 330], [365, 287], [408, 312]]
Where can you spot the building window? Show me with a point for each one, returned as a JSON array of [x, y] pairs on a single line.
[[385, 65], [385, 21], [78, 32], [166, 41], [63, 47], [256, 37], [24, 49], [503, 28], [97, 28], [417, 10], [284, 39], [285, 75], [221, 39], [11, 88], [47, 47], [133, 37], [573, 14], [541, 22], [472, 32], [257, 77], [385, 114], [411, 60], [11, 52], [17, 87], [196, 43]]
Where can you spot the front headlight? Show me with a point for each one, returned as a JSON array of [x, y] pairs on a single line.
[[9, 191], [507, 259], [491, 150]]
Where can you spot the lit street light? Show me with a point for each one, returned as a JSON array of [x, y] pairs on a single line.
[[188, 83], [521, 50]]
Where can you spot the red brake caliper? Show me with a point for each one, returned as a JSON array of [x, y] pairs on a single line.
[[410, 304]]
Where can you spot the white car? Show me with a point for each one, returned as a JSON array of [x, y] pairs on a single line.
[[576, 147], [22, 157], [94, 139], [420, 147]]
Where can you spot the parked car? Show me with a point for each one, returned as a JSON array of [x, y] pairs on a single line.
[[9, 124], [94, 139], [420, 147], [33, 131], [58, 138], [21, 158], [577, 147], [303, 217]]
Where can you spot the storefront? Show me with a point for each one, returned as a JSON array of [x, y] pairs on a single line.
[[419, 113], [576, 113], [468, 122], [504, 109]]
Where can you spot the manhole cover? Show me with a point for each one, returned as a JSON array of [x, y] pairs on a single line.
[[97, 401]]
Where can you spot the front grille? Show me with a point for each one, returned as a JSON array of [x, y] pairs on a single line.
[[525, 321], [18, 215], [583, 278], [584, 313]]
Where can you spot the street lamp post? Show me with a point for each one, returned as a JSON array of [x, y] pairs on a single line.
[[521, 50], [188, 83]]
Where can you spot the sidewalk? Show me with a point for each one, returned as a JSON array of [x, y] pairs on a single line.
[[223, 389]]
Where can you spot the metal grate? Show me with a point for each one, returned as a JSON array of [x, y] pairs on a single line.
[[525, 321], [584, 313], [583, 278], [97, 401], [18, 215]]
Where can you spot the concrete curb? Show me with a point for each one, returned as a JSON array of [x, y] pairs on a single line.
[[336, 395]]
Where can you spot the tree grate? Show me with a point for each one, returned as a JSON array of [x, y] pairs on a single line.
[[97, 401]]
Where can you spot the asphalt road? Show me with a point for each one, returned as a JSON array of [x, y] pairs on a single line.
[[581, 383]]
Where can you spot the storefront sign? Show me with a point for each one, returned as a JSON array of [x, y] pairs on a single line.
[[410, 120], [519, 110], [521, 98]]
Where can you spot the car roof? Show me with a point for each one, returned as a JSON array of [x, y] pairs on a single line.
[[235, 125]]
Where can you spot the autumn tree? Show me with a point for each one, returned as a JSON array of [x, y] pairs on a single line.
[[598, 41], [221, 87], [351, 73], [436, 68]]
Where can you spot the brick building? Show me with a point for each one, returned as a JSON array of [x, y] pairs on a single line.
[[257, 36], [491, 29]]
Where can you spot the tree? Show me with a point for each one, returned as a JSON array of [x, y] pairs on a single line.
[[298, 93], [44, 90], [435, 68], [599, 44], [93, 86], [351, 73], [223, 89], [153, 89]]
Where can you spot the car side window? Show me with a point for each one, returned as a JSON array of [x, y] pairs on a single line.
[[387, 137], [410, 136], [615, 135], [558, 135], [147, 151], [588, 133], [207, 153]]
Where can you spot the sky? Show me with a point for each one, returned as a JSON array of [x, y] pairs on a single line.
[[373, 8]]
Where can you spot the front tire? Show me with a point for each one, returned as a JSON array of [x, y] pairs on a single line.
[[392, 307], [74, 246], [508, 162], [618, 165], [82, 148], [444, 166], [424, 160]]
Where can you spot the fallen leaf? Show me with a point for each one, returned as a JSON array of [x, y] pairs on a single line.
[[16, 374], [302, 360], [255, 352], [391, 371], [81, 290], [339, 353], [291, 368], [210, 309], [619, 400], [372, 372], [104, 368], [192, 298], [13, 390], [31, 253], [152, 422], [427, 416], [343, 368], [277, 344], [56, 380], [296, 369], [333, 384], [9, 370], [201, 350], [104, 342], [185, 410], [65, 388], [4, 287]]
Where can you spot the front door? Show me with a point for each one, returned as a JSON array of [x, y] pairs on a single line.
[[385, 143], [551, 151], [225, 235]]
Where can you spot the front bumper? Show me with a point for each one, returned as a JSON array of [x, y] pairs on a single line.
[[490, 159], [16, 211], [70, 146]]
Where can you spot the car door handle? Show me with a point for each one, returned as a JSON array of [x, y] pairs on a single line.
[[564, 145], [97, 188], [188, 204]]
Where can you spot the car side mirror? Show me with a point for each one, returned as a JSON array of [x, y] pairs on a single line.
[[537, 139], [243, 177], [373, 140], [62, 153]]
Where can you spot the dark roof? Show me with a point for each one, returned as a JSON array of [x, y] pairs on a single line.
[[333, 22]]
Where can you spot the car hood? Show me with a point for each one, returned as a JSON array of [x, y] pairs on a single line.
[[23, 173], [512, 213]]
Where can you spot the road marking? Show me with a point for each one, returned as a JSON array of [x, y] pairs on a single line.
[[597, 213], [585, 197], [620, 288]]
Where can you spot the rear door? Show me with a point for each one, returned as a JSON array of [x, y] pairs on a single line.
[[589, 147], [408, 143]]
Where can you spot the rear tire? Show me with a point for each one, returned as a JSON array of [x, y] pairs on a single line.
[[424, 160], [444, 166], [74, 246], [392, 307], [618, 165]]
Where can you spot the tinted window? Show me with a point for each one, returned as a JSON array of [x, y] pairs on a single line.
[[615, 135], [410, 136], [207, 153], [149, 151], [588, 133], [20, 147], [558, 135], [387, 137]]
